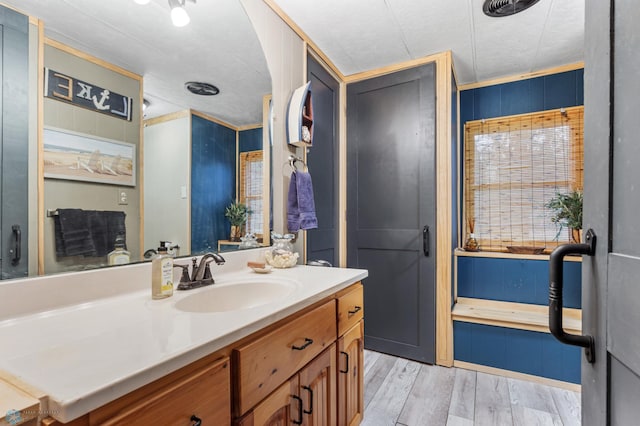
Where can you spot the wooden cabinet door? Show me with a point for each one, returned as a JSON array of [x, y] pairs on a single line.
[[282, 408], [350, 376], [263, 364], [318, 389], [204, 395]]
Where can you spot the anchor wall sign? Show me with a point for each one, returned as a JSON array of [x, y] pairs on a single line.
[[77, 92]]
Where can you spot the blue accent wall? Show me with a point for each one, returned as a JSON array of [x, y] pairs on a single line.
[[213, 170], [553, 91], [524, 351], [250, 140], [516, 280]]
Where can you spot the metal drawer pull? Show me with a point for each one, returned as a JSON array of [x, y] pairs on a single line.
[[307, 342], [346, 356], [355, 310], [196, 420], [308, 389], [299, 421]]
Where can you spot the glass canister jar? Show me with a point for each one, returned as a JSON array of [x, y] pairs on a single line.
[[281, 254], [248, 241]]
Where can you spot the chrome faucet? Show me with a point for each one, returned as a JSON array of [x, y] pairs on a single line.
[[201, 274]]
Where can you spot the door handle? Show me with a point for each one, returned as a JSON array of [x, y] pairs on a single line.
[[16, 250], [299, 421], [425, 240], [310, 410], [555, 293]]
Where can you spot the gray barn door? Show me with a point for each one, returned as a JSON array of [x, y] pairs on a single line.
[[323, 164], [611, 305], [391, 201], [14, 43]]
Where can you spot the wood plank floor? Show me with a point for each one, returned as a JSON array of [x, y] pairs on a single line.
[[399, 392]]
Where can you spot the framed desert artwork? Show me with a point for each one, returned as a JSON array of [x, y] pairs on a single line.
[[75, 156]]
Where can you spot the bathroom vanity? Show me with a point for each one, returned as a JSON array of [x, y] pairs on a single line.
[[252, 349]]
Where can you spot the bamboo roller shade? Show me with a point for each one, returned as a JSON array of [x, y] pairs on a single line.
[[512, 167], [251, 189]]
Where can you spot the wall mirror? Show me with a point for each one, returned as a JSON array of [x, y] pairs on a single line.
[[192, 150]]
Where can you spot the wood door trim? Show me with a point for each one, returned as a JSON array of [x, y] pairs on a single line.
[[444, 215], [90, 58], [525, 76]]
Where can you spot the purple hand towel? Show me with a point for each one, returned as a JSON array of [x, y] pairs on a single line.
[[301, 208], [306, 204]]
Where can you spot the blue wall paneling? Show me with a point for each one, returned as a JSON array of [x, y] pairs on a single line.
[[553, 91], [516, 280], [529, 352], [213, 170], [250, 140]]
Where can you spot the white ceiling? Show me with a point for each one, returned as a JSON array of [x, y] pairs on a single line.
[[219, 46], [360, 35]]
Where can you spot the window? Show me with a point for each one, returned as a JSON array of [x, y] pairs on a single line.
[[512, 167], [251, 189]]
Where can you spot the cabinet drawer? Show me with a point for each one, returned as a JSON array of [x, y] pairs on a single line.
[[206, 394], [270, 360], [350, 309]]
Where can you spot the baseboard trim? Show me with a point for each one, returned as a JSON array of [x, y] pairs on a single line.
[[516, 375]]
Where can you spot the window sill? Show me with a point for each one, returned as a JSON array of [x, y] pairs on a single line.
[[501, 255]]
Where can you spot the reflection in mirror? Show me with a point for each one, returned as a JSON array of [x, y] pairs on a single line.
[[195, 154]]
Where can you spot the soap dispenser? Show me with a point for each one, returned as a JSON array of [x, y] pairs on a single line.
[[119, 255], [162, 273]]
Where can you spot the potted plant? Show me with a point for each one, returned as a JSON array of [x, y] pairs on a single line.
[[568, 212], [237, 213]]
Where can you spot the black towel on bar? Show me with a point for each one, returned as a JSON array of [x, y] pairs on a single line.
[[72, 235], [87, 232], [105, 227]]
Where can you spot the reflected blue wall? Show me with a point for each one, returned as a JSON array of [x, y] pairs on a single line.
[[250, 140], [213, 169]]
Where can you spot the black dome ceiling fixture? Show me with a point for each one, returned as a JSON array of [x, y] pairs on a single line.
[[202, 89], [499, 8]]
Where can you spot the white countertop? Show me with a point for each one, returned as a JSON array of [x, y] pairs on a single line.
[[87, 354]]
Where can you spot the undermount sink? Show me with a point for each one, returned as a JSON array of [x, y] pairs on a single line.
[[238, 295]]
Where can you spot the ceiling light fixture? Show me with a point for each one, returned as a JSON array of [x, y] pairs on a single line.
[[179, 15], [499, 8]]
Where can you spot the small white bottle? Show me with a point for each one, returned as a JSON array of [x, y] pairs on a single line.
[[119, 256], [162, 274]]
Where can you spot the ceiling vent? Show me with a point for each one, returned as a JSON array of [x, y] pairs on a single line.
[[499, 8], [202, 89]]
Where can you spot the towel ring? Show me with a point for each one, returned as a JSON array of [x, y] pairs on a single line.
[[292, 160]]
